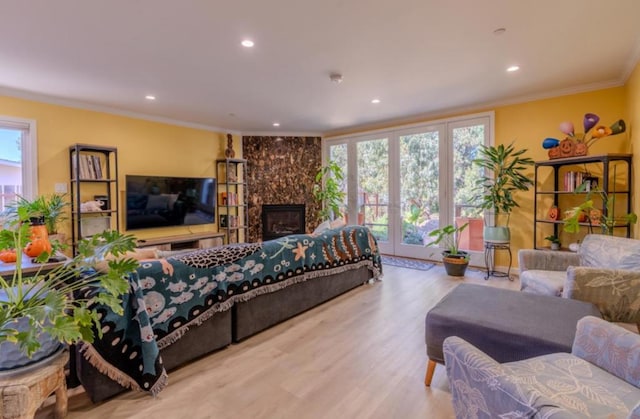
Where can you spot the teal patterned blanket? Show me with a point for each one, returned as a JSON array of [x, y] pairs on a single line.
[[167, 296]]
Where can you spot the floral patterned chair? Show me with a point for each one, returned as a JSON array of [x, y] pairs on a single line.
[[600, 378], [605, 272]]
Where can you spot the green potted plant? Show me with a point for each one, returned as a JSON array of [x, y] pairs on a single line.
[[50, 209], [328, 191], [504, 175], [455, 260], [555, 242], [594, 216], [46, 304]]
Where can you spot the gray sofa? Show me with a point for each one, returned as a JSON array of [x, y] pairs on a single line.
[[246, 315]]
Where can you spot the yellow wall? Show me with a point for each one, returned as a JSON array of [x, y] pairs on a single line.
[[632, 118], [144, 147], [529, 123]]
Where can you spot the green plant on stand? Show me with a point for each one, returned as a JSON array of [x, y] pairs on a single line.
[[43, 307], [504, 168], [328, 191], [455, 260]]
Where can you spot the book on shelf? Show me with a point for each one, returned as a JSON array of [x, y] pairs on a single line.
[[572, 180], [97, 167]]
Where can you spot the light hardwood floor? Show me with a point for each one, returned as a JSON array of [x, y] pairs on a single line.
[[361, 355]]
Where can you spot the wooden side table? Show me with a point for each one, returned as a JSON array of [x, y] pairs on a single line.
[[23, 390]]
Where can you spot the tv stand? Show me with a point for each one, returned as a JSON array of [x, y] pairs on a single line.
[[184, 241]]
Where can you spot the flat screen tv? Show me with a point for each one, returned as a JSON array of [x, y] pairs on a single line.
[[164, 201]]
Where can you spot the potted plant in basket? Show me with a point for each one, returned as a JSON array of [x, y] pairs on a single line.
[[504, 175], [40, 311], [455, 260]]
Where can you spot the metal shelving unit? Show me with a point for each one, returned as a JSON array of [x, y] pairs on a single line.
[[233, 214], [616, 183], [94, 176]]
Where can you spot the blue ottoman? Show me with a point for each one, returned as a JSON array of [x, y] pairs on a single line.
[[506, 325]]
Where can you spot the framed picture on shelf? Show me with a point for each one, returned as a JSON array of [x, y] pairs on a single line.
[[224, 220]]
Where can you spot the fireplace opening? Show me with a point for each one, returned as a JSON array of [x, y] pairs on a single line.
[[282, 220]]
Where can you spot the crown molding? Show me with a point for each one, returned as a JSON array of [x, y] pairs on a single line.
[[54, 100], [280, 134], [476, 107]]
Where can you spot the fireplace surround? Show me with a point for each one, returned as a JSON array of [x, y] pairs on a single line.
[[282, 220]]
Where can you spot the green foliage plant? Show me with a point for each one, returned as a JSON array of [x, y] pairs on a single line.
[[504, 175], [607, 219], [449, 236], [328, 190], [49, 207], [50, 300], [553, 239]]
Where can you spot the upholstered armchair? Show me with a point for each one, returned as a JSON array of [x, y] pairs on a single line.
[[605, 272], [600, 378]]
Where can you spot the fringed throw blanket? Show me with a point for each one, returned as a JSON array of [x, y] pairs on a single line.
[[168, 296]]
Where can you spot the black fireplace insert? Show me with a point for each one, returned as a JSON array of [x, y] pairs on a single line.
[[282, 220]]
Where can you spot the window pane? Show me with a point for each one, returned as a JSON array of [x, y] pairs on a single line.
[[466, 141], [10, 165], [373, 186], [419, 186]]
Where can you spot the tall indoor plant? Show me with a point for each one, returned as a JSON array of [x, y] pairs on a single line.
[[504, 168], [328, 191], [48, 303]]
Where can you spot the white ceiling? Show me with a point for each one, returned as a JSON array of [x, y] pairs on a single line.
[[420, 57]]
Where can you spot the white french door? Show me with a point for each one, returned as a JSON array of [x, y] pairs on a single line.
[[406, 182]]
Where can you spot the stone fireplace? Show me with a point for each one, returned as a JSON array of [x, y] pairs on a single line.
[[282, 220]]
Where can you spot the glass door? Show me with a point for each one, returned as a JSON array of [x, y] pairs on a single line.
[[419, 191], [464, 208], [373, 190], [404, 184]]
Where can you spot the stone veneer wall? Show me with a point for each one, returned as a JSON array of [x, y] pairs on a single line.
[[281, 172]]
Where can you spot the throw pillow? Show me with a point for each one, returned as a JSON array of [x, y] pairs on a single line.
[[326, 225]]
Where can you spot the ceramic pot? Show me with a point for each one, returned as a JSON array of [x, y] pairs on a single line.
[[495, 234]]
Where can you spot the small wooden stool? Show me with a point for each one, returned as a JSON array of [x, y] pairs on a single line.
[[23, 390]]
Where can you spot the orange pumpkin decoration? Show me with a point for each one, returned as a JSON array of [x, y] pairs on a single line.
[[36, 247], [39, 241], [8, 256]]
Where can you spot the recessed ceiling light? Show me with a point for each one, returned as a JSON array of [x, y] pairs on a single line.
[[247, 43], [276, 124], [150, 97], [513, 68], [375, 101]]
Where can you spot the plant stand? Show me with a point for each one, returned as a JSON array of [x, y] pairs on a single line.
[[489, 253], [23, 390]]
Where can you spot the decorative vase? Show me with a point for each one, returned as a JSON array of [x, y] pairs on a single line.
[[495, 234]]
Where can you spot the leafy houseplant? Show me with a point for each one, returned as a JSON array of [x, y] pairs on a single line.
[[328, 190], [50, 302], [504, 175], [555, 242], [51, 208], [455, 260], [594, 215]]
